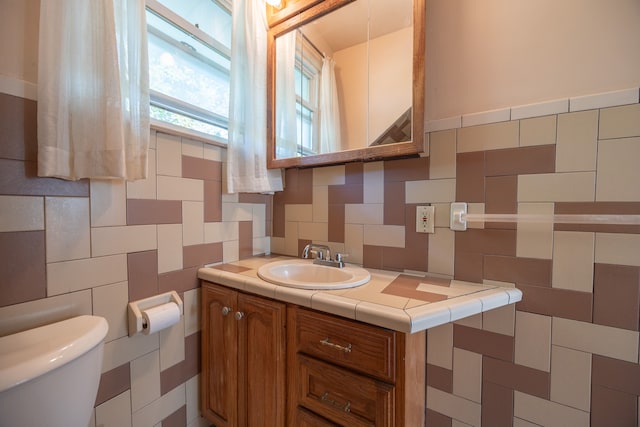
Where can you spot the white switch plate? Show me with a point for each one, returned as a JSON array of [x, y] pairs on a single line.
[[425, 219]]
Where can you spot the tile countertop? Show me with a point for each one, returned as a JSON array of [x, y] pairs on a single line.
[[394, 300]]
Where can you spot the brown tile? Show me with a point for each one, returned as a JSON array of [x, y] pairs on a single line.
[[484, 342], [610, 407], [616, 374], [179, 280], [406, 286], [372, 256], [199, 255], [256, 198], [487, 241], [470, 177], [114, 382], [23, 267], [245, 239], [277, 218], [598, 208], [302, 243], [436, 419], [564, 303], [341, 194], [179, 373], [468, 266], [18, 128], [21, 178], [177, 419], [530, 271], [142, 274], [413, 257], [394, 203], [497, 405], [336, 223], [148, 211], [413, 169], [195, 168], [212, 201], [516, 377], [298, 187], [231, 268], [616, 296], [520, 161], [440, 378], [501, 197], [354, 174]]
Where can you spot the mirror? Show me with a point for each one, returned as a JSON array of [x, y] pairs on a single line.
[[346, 82]]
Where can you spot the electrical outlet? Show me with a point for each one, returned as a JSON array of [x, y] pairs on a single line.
[[425, 219]]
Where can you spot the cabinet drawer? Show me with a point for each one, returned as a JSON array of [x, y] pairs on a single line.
[[304, 418], [342, 396], [363, 348]]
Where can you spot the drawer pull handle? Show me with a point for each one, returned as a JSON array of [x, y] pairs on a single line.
[[328, 343], [345, 408], [226, 310]]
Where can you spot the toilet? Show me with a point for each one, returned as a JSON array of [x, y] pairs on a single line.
[[49, 375]]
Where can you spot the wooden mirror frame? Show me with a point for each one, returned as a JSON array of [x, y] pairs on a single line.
[[398, 149]]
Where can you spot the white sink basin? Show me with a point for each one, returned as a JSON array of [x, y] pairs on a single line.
[[303, 274]]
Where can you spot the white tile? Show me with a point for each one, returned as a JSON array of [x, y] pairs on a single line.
[[241, 212], [320, 204], [577, 141], [259, 220], [192, 148], [172, 345], [367, 213], [214, 232], [144, 188], [430, 191], [533, 341], [353, 243], [330, 175], [174, 188], [108, 203], [301, 297], [519, 422], [261, 245], [619, 122], [442, 214], [557, 187], [124, 350], [316, 231], [547, 413], [535, 240], [442, 154], [463, 306], [159, 409], [382, 315], [67, 228], [442, 252], [373, 182], [192, 223], [70, 276], [384, 235], [500, 320], [145, 380], [21, 213], [486, 117], [169, 247], [110, 302], [454, 407], [213, 152], [230, 251], [19, 317], [573, 255], [538, 131], [540, 109], [291, 238], [295, 212], [571, 377], [603, 100], [591, 338], [488, 137], [334, 304], [616, 248], [121, 240], [115, 412], [467, 374], [169, 155], [618, 169], [444, 124], [192, 396], [440, 346]]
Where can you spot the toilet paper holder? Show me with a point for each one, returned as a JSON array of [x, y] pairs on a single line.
[[135, 309]]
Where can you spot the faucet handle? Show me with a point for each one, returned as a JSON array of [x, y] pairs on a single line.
[[340, 257]]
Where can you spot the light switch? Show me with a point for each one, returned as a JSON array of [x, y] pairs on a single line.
[[425, 219]]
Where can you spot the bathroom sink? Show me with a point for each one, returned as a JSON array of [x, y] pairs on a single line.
[[304, 274]]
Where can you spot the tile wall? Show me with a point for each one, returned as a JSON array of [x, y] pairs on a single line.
[[89, 247], [567, 355]]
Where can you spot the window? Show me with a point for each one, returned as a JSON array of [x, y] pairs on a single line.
[[189, 62], [307, 81]]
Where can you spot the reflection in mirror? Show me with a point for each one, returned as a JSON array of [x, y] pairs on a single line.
[[345, 83]]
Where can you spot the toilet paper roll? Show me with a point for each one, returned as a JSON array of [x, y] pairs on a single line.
[[160, 317]]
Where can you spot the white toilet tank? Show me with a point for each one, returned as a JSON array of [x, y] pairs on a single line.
[[49, 375]]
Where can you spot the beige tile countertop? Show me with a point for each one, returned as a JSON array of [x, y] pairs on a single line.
[[394, 300]]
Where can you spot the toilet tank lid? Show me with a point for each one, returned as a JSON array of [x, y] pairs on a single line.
[[34, 352]]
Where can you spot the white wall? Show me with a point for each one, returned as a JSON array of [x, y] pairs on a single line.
[[490, 54]]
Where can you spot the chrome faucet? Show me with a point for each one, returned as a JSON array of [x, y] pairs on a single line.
[[322, 255]]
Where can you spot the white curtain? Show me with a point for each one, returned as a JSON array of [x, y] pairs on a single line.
[[286, 135], [93, 96], [247, 148], [329, 108]]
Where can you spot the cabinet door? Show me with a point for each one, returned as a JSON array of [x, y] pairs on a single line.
[[261, 359], [219, 356]]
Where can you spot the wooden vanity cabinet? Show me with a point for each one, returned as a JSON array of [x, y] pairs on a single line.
[[243, 358]]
